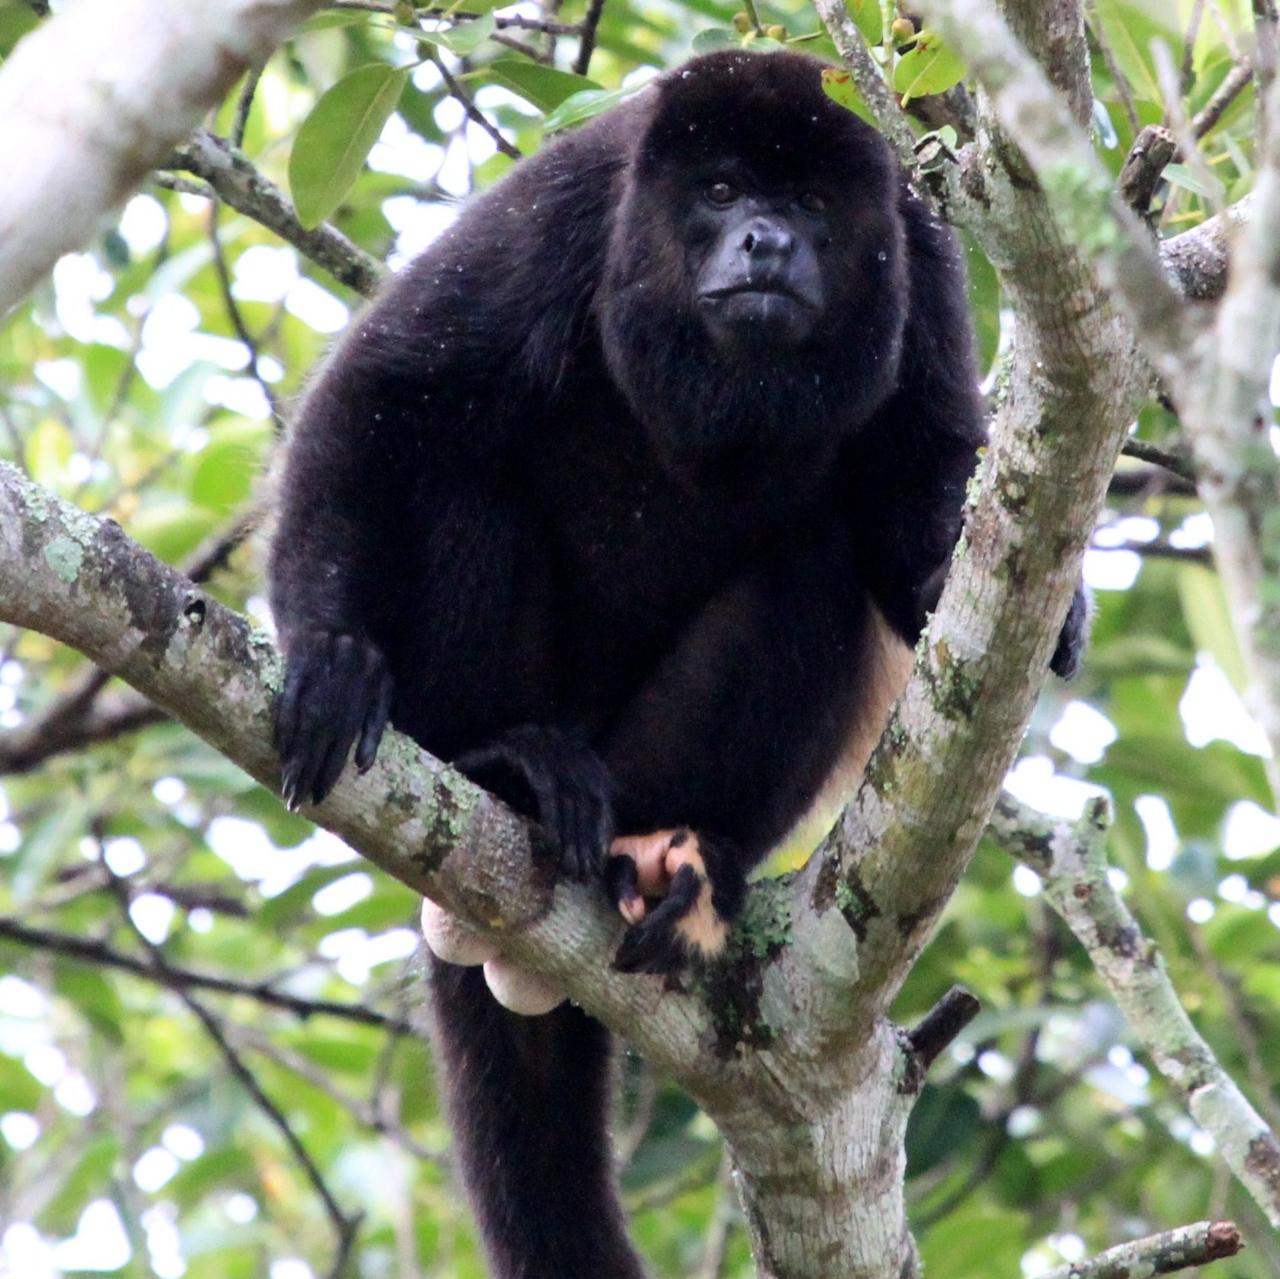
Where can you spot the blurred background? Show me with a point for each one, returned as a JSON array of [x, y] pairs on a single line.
[[211, 1050]]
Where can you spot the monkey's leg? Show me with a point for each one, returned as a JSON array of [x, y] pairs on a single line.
[[528, 1102], [734, 736]]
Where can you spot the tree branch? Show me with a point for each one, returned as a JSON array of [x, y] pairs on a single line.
[[1198, 260], [752, 1041], [1224, 405], [896, 854], [1071, 860], [238, 183], [83, 127], [1162, 1254]]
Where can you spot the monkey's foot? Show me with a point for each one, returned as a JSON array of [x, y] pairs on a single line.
[[685, 924], [544, 770]]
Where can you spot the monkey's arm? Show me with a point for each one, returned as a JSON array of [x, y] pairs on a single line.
[[398, 553]]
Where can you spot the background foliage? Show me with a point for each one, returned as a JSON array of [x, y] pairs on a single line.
[[150, 379]]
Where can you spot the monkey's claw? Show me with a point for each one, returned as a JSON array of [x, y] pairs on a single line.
[[337, 694]]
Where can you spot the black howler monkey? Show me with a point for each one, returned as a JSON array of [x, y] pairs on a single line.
[[629, 496]]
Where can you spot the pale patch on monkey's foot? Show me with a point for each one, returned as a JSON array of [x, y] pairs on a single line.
[[685, 924]]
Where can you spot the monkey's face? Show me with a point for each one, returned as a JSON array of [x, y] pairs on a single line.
[[755, 261]]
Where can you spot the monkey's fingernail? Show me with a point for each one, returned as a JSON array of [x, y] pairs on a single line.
[[631, 909]]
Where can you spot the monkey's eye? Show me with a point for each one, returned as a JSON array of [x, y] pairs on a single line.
[[721, 193], [812, 202]]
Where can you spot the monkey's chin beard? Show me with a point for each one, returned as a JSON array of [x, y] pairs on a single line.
[[750, 320]]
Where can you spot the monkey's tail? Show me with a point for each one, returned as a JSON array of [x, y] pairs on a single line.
[[528, 1100]]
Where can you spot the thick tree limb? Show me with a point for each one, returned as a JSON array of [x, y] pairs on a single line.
[[899, 849], [95, 98], [1053, 33], [1198, 260], [753, 1042], [1071, 860]]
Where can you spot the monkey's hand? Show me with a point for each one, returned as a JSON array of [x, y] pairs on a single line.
[[1072, 638], [337, 693], [690, 922], [566, 780]]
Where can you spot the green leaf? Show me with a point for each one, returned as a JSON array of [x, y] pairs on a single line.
[[1208, 618], [462, 37], [1129, 27], [337, 136], [47, 844], [15, 21], [715, 38], [943, 1121], [226, 467], [583, 106], [18, 1086], [929, 68], [170, 528], [295, 902], [48, 450], [83, 1182], [984, 302], [545, 87], [839, 87], [1188, 179], [869, 18]]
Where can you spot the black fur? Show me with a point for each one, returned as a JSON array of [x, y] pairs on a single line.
[[614, 547]]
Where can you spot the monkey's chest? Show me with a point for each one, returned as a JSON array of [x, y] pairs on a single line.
[[635, 557]]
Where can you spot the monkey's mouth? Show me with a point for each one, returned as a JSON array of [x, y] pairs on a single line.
[[750, 313], [757, 289]]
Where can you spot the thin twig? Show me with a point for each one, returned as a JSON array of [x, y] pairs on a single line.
[[1233, 84], [234, 314], [473, 112], [1160, 549], [362, 1111], [184, 186], [1177, 463], [345, 1226], [1187, 77], [1071, 860], [590, 25], [246, 190], [716, 1243], [91, 951], [244, 105]]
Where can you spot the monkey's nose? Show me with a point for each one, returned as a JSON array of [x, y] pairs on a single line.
[[765, 239]]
